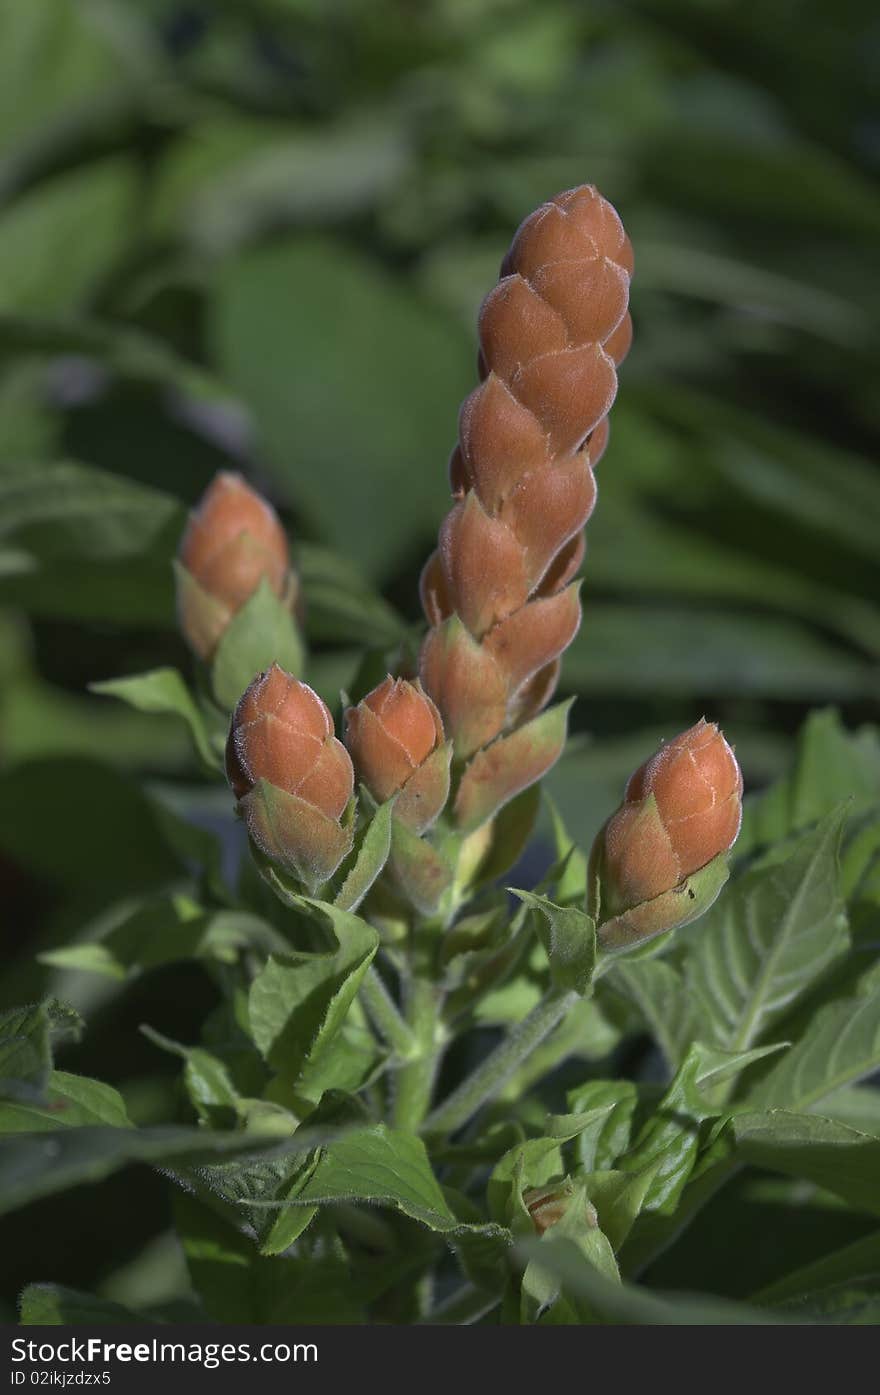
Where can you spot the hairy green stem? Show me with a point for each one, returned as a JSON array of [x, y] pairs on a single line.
[[385, 1015], [501, 1063], [414, 1081]]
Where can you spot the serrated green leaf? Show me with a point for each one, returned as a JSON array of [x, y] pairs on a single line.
[[769, 938], [262, 633], [163, 690], [39, 1164], [298, 1005], [380, 1165], [831, 765], [840, 1046], [27, 1036], [658, 992], [48, 1305]]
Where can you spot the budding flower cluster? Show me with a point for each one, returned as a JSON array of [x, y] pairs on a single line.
[[659, 860], [498, 592], [292, 777], [233, 540], [395, 736]]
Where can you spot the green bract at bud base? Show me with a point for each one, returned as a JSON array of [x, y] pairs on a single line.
[[669, 911], [295, 835]]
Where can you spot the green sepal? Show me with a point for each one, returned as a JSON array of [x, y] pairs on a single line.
[[423, 797], [201, 617], [569, 939], [262, 633], [369, 855], [421, 873], [302, 840], [669, 911]]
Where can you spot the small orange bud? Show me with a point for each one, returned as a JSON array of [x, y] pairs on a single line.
[[395, 736], [566, 1200], [291, 776], [232, 541], [682, 811]]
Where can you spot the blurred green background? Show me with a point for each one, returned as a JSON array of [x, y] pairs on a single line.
[[254, 234]]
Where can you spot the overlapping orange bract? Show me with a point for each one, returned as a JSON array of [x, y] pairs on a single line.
[[395, 736], [498, 591], [682, 808], [291, 776], [233, 540]]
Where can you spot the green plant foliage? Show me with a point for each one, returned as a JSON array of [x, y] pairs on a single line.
[[256, 238]]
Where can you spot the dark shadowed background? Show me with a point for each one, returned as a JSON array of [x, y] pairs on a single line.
[[254, 234]]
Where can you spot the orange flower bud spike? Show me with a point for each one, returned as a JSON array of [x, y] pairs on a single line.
[[233, 540], [293, 780], [498, 593], [395, 737], [660, 860]]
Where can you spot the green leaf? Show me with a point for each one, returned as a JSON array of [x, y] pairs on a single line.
[[237, 1284], [63, 510], [614, 1104], [677, 1145], [231, 177], [839, 1047], [716, 652], [34, 1165], [831, 765], [262, 633], [663, 1002], [167, 930], [569, 938], [369, 857], [770, 937], [349, 416], [842, 1287], [48, 1305], [572, 883], [27, 1036], [164, 690], [823, 1151], [340, 605], [603, 1301], [71, 1101], [540, 1286], [536, 1161], [63, 236], [298, 1005], [380, 1165]]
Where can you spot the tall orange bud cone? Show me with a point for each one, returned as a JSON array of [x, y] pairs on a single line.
[[498, 592], [293, 780], [395, 736], [232, 541], [660, 861]]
